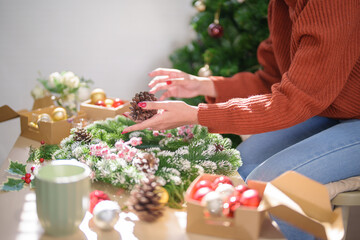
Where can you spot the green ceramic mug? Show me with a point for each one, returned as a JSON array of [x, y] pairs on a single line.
[[62, 195]]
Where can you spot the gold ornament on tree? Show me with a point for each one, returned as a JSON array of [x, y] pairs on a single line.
[[97, 95], [205, 71], [59, 114], [200, 5]]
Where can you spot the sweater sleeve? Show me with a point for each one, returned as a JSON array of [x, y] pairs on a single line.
[[246, 84], [324, 48]]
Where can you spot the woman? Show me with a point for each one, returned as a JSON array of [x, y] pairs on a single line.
[[303, 107]]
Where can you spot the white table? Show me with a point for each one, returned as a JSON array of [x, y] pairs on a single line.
[[19, 219]]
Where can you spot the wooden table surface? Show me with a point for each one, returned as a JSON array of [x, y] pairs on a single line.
[[19, 218]]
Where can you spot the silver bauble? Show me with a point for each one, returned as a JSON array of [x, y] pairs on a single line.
[[225, 190], [106, 214], [213, 203]]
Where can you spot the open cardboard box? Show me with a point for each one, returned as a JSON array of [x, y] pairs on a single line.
[[291, 197], [94, 112], [50, 132]]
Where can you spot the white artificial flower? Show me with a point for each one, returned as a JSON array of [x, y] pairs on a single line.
[[37, 92], [84, 93], [72, 82], [55, 77]]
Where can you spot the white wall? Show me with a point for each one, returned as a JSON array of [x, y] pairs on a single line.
[[113, 42]]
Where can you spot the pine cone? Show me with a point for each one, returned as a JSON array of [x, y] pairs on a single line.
[[146, 162], [145, 200], [218, 147], [137, 113], [81, 135]]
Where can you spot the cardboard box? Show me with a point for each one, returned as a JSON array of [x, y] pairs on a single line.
[[291, 197], [50, 132], [94, 112]]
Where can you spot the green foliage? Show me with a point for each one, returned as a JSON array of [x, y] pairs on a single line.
[[245, 26], [44, 151], [17, 168], [13, 185]]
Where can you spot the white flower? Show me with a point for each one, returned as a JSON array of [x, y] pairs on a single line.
[[72, 82], [55, 77], [37, 92]]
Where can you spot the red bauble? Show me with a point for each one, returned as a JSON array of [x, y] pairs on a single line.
[[221, 180], [203, 183], [41, 160], [117, 102], [201, 192], [96, 197], [250, 198], [100, 103], [27, 180], [215, 30], [240, 189], [231, 205]]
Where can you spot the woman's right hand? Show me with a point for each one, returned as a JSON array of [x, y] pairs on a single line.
[[176, 83]]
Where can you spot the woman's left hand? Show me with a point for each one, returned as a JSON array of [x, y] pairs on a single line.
[[171, 114]]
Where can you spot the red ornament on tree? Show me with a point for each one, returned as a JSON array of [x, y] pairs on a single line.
[[215, 30]]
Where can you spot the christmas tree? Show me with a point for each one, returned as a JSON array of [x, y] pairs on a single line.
[[228, 34]]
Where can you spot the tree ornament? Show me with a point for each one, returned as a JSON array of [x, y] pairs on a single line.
[[96, 95], [81, 135], [100, 103], [205, 71], [213, 203], [250, 198], [33, 125], [146, 162], [106, 214], [225, 190], [117, 102], [241, 1], [230, 205], [138, 113], [221, 180], [201, 192], [109, 102], [44, 117], [145, 200], [96, 196], [240, 189], [215, 30], [203, 183], [59, 114], [200, 5]]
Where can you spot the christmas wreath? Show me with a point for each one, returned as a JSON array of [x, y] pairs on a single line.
[[176, 157]]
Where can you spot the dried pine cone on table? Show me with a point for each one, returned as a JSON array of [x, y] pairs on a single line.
[[145, 200], [81, 135], [138, 113], [146, 162]]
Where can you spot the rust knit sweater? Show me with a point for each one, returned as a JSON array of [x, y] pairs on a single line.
[[311, 66]]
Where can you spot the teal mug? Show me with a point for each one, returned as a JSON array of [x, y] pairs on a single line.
[[62, 196]]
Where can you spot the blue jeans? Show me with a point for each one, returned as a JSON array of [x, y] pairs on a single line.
[[320, 148]]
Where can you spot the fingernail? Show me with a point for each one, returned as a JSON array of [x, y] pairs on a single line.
[[168, 82], [142, 104], [123, 132]]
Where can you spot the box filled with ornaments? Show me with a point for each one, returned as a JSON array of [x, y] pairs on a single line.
[[218, 207], [50, 124], [100, 107]]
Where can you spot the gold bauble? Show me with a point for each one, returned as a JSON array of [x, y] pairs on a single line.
[[97, 95], [205, 71], [200, 5], [164, 195], [44, 117], [109, 102], [33, 125], [59, 114]]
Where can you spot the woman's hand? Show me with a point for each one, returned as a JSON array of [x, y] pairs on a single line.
[[179, 84], [171, 114]]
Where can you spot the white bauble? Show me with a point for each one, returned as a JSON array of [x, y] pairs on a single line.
[[225, 190], [213, 203], [106, 214]]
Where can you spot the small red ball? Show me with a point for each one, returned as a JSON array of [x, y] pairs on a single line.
[[100, 103], [250, 198], [27, 175], [221, 180], [41, 160], [117, 102], [32, 168], [215, 30], [240, 189], [231, 205], [42, 142], [203, 183], [27, 180], [97, 196], [201, 192], [23, 178]]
